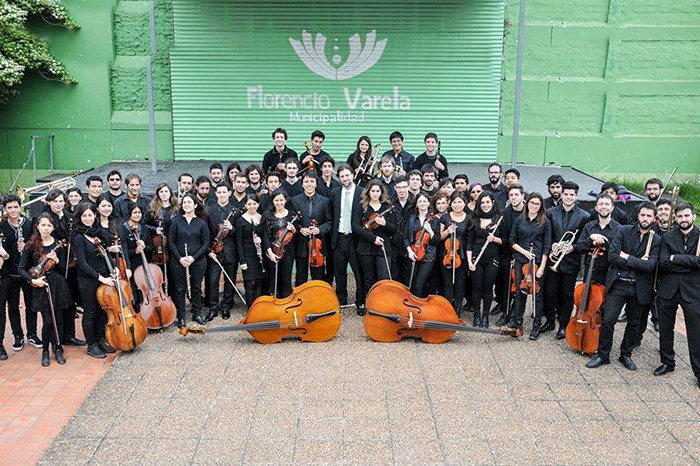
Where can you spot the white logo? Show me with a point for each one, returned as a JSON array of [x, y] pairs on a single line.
[[359, 60]]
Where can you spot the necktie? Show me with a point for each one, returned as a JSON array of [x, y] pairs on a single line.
[[311, 207], [685, 243], [347, 209]]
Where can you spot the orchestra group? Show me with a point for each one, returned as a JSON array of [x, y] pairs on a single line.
[[389, 216]]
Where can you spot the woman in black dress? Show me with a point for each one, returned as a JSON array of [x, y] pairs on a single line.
[[454, 225], [133, 247], [40, 245], [161, 212], [249, 234], [362, 152], [279, 219], [422, 221], [484, 273]]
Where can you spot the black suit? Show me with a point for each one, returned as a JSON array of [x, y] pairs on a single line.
[[679, 284], [344, 247], [318, 209], [629, 281]]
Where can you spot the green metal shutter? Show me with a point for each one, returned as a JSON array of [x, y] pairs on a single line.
[[237, 73]]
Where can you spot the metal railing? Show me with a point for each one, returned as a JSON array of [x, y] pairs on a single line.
[[32, 155]]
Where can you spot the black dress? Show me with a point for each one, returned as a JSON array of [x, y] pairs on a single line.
[[246, 248], [272, 225], [54, 277]]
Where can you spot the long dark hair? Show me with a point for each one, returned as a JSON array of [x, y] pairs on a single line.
[[541, 214], [365, 194], [78, 226], [479, 213], [156, 204], [199, 210], [357, 155], [34, 244]]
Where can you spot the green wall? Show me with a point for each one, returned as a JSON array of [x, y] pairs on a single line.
[[609, 86]]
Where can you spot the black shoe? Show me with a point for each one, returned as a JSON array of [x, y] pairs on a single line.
[[18, 345], [622, 318], [597, 362], [95, 351], [59, 356], [226, 315], [535, 333], [664, 369], [361, 309], [547, 327], [628, 363], [561, 334], [496, 310], [211, 316], [485, 320], [104, 346], [477, 319], [35, 341], [197, 317], [45, 361], [502, 320], [75, 342], [3, 353], [181, 323]]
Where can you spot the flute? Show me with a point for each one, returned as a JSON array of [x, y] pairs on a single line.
[[187, 277], [258, 249]]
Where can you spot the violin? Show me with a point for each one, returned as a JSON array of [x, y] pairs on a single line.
[[310, 164], [315, 255], [452, 259], [583, 329], [311, 312], [529, 284], [371, 223], [156, 308], [282, 237], [421, 240], [46, 263], [125, 329], [393, 314], [217, 244], [160, 246]]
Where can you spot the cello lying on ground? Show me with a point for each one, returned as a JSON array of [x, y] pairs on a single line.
[[584, 327], [311, 312], [393, 313], [156, 308]]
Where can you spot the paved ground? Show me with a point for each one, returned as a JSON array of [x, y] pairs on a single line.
[[478, 399]]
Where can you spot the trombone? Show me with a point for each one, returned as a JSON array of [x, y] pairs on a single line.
[[365, 170], [565, 242], [61, 184]]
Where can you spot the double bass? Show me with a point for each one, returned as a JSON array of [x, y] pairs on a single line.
[[125, 329], [156, 308], [393, 314], [583, 329], [311, 312]]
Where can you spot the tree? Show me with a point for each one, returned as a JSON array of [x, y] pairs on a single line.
[[22, 51]]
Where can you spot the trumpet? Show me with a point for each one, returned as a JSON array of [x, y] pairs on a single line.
[[565, 242]]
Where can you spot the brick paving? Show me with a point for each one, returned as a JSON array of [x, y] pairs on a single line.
[[478, 399]]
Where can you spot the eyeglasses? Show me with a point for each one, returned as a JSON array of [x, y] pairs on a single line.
[[115, 179]]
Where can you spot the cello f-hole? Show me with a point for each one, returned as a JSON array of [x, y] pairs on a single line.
[[293, 306], [411, 306]]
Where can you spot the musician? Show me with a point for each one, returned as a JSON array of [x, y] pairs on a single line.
[[74, 197], [114, 182], [216, 175], [133, 194], [312, 206], [191, 230], [41, 244], [275, 158], [598, 233], [559, 285], [360, 156], [663, 215], [106, 221], [280, 217], [239, 195], [511, 177], [292, 184], [653, 189], [415, 182], [633, 254], [440, 206], [424, 222], [374, 247], [94, 188], [618, 214], [326, 183], [679, 285], [232, 170], [446, 186], [92, 271], [431, 157], [387, 175], [429, 187], [513, 211], [162, 209], [495, 185], [202, 190], [15, 229], [218, 218], [344, 201], [249, 234], [531, 241], [475, 190], [255, 184], [132, 247], [314, 153], [403, 161], [272, 184], [454, 225], [404, 204], [554, 184], [461, 183], [184, 185]]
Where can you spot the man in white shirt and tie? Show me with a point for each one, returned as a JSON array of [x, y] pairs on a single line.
[[344, 202]]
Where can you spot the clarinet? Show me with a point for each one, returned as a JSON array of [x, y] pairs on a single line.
[[258, 248], [187, 277]]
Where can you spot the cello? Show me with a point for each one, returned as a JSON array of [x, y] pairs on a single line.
[[311, 312], [393, 314], [125, 329], [583, 329], [156, 308]]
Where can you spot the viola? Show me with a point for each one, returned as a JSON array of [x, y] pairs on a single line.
[[160, 247], [421, 240], [451, 258], [217, 244], [371, 223], [315, 255], [311, 312], [46, 263], [583, 330], [125, 329], [282, 237], [393, 314], [156, 308]]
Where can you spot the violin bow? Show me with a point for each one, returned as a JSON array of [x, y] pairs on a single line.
[[53, 314], [233, 284], [386, 260]]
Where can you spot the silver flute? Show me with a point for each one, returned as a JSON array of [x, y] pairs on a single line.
[[187, 277]]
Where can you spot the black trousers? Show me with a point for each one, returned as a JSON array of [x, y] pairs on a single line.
[[48, 334], [5, 310], [455, 294], [94, 317], [620, 294], [559, 296], [520, 300], [400, 268], [483, 280], [216, 302], [501, 284], [71, 312], [180, 282], [253, 290], [10, 298], [667, 320], [284, 276], [373, 270], [421, 274], [344, 254], [647, 310], [302, 277], [329, 266]]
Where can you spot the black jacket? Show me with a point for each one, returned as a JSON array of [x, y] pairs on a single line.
[[215, 217], [628, 240], [272, 158], [425, 159], [320, 211], [121, 207], [577, 219], [366, 238], [404, 159], [336, 199], [683, 272]]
